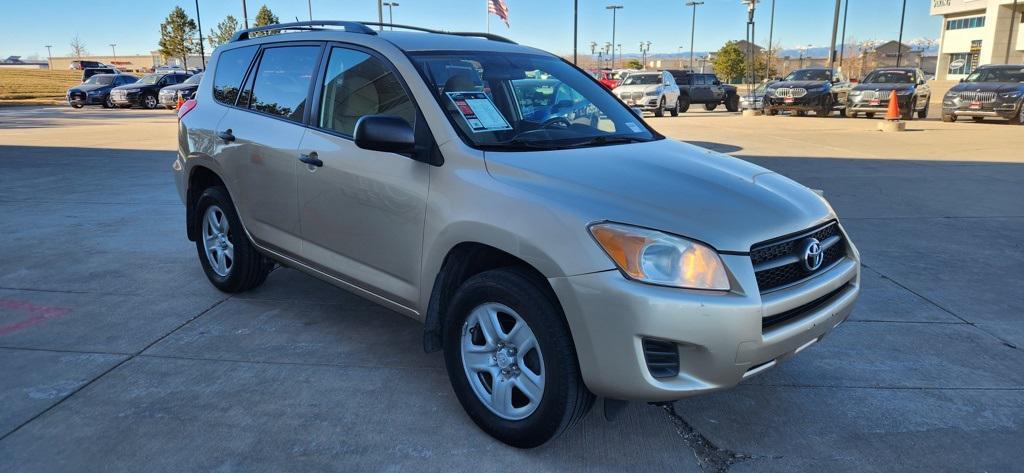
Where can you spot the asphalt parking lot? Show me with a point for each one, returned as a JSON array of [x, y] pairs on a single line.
[[117, 355]]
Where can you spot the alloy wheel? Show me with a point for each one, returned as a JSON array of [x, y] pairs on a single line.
[[219, 250], [150, 101], [502, 361]]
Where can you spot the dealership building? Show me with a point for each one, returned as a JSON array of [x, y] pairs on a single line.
[[978, 32]]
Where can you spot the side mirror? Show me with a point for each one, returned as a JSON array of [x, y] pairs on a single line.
[[385, 133]]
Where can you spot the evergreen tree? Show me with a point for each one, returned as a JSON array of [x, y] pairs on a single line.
[[176, 36]]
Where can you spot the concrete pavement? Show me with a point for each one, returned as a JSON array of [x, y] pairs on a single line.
[[117, 355]]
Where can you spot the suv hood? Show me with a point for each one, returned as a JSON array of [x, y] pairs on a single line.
[[667, 185], [987, 86], [804, 84], [884, 86], [636, 88], [181, 87]]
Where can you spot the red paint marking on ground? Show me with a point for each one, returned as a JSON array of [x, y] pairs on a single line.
[[39, 314]]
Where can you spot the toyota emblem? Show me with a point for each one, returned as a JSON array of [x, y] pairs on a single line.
[[813, 254]]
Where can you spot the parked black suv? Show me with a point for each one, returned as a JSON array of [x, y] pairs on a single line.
[[706, 89], [169, 95], [995, 91], [96, 90], [873, 93], [145, 92], [815, 90]]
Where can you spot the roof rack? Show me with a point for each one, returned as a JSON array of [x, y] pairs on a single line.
[[362, 27], [471, 34], [350, 26]]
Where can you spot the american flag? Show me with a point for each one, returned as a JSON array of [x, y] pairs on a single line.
[[499, 8]]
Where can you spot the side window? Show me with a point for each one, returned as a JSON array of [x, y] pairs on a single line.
[[282, 81], [358, 84], [698, 80], [231, 67]]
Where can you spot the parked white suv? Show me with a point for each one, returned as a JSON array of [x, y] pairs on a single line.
[[650, 92], [553, 244]]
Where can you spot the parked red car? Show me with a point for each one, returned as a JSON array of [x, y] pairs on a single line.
[[606, 78]]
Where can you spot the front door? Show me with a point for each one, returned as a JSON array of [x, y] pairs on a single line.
[[362, 211]]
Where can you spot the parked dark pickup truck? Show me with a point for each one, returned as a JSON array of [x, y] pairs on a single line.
[[145, 92], [695, 87], [96, 90], [994, 91]]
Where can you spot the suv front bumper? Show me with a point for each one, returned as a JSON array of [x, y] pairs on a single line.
[[719, 336], [1005, 110]]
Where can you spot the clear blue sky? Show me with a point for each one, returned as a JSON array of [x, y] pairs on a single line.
[[27, 25]]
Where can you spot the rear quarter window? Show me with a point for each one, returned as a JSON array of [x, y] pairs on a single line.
[[231, 67]]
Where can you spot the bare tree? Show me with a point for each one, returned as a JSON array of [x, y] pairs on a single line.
[[78, 48]]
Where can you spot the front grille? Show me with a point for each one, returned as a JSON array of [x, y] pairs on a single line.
[[779, 263], [662, 358], [787, 92], [876, 94], [631, 95], [783, 317], [971, 96]]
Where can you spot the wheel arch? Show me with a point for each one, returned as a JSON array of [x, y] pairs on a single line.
[[462, 262], [200, 178]]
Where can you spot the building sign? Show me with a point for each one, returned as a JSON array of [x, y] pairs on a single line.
[[957, 64], [946, 7]]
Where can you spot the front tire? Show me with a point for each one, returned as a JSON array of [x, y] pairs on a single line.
[[511, 359], [660, 111], [77, 105], [229, 260], [108, 103], [732, 103], [684, 103], [922, 114], [948, 117], [675, 109]]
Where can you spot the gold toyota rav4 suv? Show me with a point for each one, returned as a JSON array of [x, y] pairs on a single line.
[[555, 247]]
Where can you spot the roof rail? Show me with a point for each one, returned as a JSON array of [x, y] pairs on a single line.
[[350, 26], [489, 36]]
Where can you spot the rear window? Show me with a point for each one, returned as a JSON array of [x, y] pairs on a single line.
[[231, 67], [282, 81]]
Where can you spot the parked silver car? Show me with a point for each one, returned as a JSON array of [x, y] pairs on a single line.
[[555, 246]]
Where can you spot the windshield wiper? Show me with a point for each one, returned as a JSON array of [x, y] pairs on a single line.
[[520, 144], [605, 140]]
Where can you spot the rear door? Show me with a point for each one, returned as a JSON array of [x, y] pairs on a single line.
[[362, 211], [261, 135]]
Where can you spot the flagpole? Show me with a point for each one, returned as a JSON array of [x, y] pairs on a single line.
[[487, 11]]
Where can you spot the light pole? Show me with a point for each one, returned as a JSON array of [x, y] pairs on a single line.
[[1009, 39], [113, 52], [680, 52], [380, 15], [693, 26], [771, 31], [751, 6], [309, 6], [245, 15], [614, 9], [644, 48], [842, 44], [49, 56], [899, 42], [202, 52], [575, 28], [391, 13], [835, 31]]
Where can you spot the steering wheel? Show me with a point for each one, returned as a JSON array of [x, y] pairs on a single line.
[[561, 121]]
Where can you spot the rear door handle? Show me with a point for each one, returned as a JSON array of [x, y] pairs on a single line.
[[226, 135], [311, 159]]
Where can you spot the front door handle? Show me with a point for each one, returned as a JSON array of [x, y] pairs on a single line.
[[311, 159], [226, 135]]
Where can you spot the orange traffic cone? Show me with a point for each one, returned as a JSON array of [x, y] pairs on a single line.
[[181, 101], [894, 107]]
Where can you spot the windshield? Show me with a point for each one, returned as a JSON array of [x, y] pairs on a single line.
[[810, 74], [194, 79], [891, 77], [526, 101], [150, 78], [997, 74], [101, 79], [642, 79]]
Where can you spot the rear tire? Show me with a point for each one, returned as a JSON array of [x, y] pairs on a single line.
[[684, 103], [230, 261], [509, 297]]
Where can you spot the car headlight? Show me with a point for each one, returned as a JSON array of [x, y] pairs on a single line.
[[132, 91], [1010, 95], [654, 257], [94, 92]]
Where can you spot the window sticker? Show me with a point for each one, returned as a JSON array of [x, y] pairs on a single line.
[[479, 111], [633, 126]]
